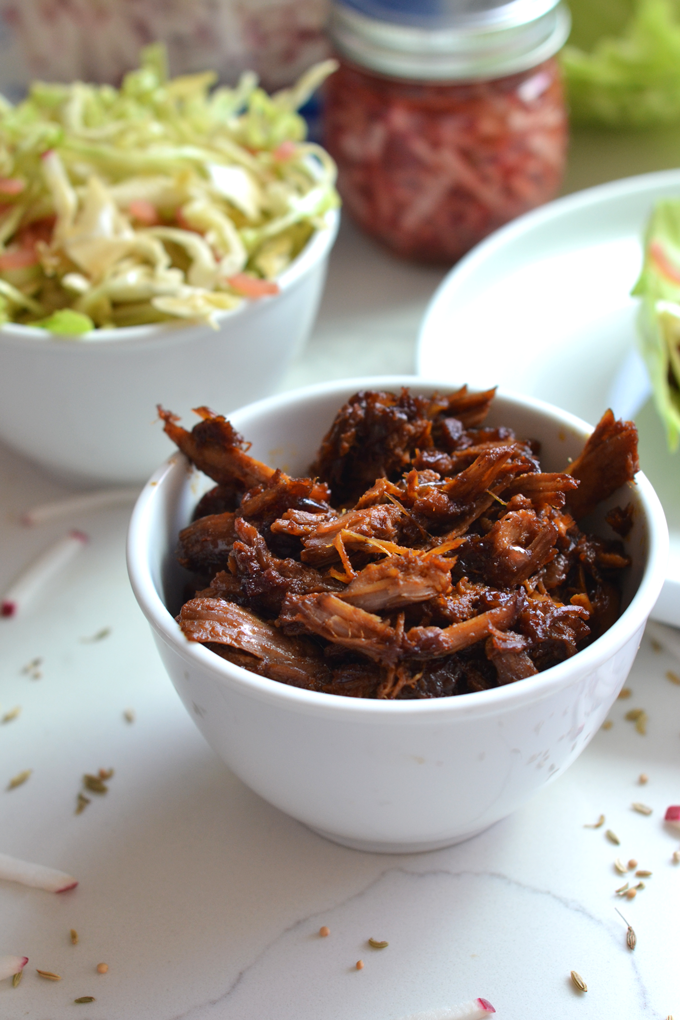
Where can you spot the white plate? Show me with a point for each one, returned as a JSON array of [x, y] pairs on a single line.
[[543, 307]]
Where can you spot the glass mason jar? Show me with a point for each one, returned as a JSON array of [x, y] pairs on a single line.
[[446, 117]]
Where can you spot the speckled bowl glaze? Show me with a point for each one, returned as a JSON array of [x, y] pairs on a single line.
[[84, 409], [377, 775]]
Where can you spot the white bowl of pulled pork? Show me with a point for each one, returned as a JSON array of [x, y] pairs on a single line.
[[395, 610], [165, 240]]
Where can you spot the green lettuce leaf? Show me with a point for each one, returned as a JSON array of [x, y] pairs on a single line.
[[659, 317], [631, 79]]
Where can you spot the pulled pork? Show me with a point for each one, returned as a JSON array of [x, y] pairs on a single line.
[[426, 555]]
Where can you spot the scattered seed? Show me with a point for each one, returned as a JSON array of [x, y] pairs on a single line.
[[375, 944], [99, 636], [48, 975], [595, 825], [612, 837], [129, 715], [621, 891], [13, 713], [643, 874], [655, 645], [640, 885], [676, 857], [16, 978], [641, 724], [74, 937], [360, 964], [642, 809], [102, 968], [634, 714], [19, 779], [578, 981], [632, 863], [631, 894], [83, 801], [85, 998], [631, 937], [32, 669], [620, 866], [624, 693], [643, 778], [94, 784], [607, 724], [105, 773], [673, 677], [324, 931]]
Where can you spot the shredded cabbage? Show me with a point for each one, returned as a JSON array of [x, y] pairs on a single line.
[[121, 207], [659, 318]]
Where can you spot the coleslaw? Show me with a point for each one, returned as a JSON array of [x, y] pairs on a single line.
[[163, 200]]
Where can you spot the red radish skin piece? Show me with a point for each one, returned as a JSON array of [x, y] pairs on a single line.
[[36, 875], [11, 965], [476, 1009], [32, 582], [251, 287], [672, 816]]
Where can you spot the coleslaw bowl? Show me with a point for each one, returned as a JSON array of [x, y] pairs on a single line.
[[84, 408], [390, 776]]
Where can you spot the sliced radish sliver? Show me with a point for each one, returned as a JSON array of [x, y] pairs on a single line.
[[11, 965], [36, 875]]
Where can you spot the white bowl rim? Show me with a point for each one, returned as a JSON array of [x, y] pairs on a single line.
[[314, 252], [497, 699]]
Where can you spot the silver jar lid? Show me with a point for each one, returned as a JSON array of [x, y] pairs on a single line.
[[448, 40]]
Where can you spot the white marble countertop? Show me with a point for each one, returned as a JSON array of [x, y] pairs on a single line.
[[206, 903]]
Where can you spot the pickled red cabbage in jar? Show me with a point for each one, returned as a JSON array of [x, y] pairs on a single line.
[[431, 169]]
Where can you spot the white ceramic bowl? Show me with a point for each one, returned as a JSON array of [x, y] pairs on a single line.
[[377, 775], [85, 409]]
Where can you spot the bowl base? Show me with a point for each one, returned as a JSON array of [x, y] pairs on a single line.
[[378, 847]]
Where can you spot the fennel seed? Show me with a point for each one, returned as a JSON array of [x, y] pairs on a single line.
[[643, 874], [673, 677], [620, 866], [13, 713], [94, 784], [595, 825], [48, 975], [129, 715], [624, 693], [85, 998], [19, 779], [612, 837], [375, 944], [16, 978], [578, 981], [74, 937], [642, 809], [676, 857], [622, 890], [607, 724], [82, 803], [631, 937]]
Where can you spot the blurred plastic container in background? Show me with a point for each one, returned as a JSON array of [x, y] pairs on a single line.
[[446, 118], [100, 40]]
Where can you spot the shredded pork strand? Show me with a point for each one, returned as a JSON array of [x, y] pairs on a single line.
[[426, 555]]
